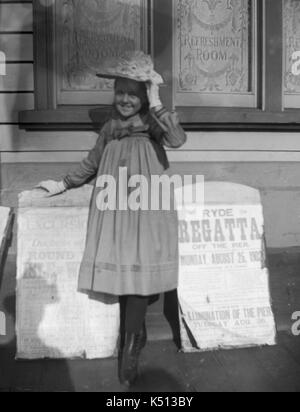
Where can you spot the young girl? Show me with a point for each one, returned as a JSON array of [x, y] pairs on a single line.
[[131, 254]]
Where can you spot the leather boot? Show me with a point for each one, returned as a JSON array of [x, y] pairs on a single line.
[[129, 356], [142, 338]]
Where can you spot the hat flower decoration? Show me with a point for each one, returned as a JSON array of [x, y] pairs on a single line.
[[133, 65]]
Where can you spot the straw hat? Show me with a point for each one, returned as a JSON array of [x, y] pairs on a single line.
[[134, 65]]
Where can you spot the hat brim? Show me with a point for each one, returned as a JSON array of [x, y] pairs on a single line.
[[121, 76], [115, 76]]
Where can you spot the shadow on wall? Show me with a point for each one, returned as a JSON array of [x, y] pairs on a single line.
[[21, 375]]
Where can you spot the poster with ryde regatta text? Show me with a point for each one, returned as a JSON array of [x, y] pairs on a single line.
[[224, 282]]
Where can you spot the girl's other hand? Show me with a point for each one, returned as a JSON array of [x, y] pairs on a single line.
[[153, 94], [52, 187]]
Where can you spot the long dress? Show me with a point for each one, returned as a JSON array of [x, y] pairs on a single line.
[[130, 252]]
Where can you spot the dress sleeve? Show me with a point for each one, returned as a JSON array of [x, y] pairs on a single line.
[[170, 131], [88, 168]]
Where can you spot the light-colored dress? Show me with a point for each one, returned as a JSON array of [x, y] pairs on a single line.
[[130, 252]]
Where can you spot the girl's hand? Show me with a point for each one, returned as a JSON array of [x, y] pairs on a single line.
[[153, 94], [52, 187]]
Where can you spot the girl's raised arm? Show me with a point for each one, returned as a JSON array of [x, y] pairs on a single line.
[[165, 126], [172, 134]]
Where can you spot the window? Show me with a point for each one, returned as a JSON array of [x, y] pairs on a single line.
[[86, 35], [215, 44], [292, 44], [226, 63]]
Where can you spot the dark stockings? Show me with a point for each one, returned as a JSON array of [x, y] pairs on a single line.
[[133, 312]]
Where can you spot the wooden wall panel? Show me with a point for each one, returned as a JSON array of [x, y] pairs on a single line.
[[16, 41], [17, 47], [19, 77], [212, 147], [10, 105], [16, 17]]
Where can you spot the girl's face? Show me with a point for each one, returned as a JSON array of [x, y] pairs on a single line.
[[127, 100]]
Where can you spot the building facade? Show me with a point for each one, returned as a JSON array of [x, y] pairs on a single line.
[[230, 70]]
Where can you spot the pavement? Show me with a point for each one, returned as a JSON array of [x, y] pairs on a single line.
[[163, 369]]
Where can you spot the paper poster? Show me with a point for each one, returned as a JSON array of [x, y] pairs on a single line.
[[54, 320], [224, 282], [4, 216]]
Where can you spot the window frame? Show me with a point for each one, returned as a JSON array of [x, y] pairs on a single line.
[[291, 100], [269, 115], [206, 99]]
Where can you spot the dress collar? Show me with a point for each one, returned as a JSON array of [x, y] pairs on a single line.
[[125, 128]]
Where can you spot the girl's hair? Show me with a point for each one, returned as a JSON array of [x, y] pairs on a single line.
[[139, 89]]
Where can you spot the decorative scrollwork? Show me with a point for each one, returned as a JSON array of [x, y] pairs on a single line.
[[291, 18], [214, 46], [93, 31]]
